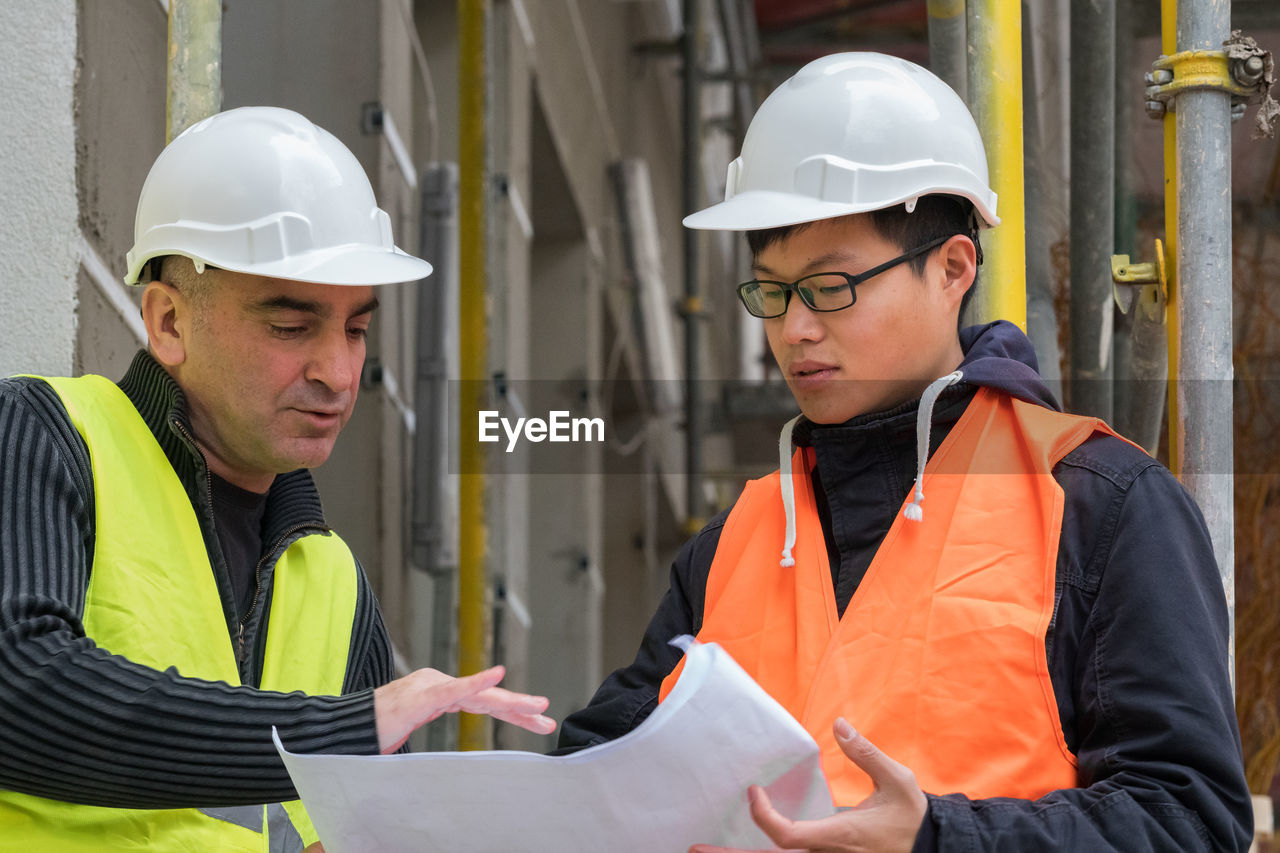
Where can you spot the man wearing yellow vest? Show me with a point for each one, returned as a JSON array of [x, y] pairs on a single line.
[[1002, 624], [170, 589]]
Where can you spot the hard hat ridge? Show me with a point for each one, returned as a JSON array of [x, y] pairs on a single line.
[[262, 190], [852, 133]]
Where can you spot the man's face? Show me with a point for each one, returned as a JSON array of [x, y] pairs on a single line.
[[271, 372], [898, 336]]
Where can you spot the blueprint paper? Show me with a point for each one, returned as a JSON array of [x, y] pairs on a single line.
[[678, 779]]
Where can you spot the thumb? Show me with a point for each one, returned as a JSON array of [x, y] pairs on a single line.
[[883, 770]]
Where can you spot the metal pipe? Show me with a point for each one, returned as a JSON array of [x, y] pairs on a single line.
[[1042, 321], [995, 98], [1204, 270], [1124, 229], [1092, 208], [1140, 341], [1169, 45], [691, 169], [195, 64], [473, 616], [433, 513], [947, 46]]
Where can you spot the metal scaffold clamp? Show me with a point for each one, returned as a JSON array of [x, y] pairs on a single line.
[[1142, 284], [1244, 70]]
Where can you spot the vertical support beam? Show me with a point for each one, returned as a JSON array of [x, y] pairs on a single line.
[[1169, 45], [1141, 342], [1042, 321], [947, 45], [434, 501], [473, 351], [1092, 205], [995, 98], [691, 172], [1204, 273], [195, 63]]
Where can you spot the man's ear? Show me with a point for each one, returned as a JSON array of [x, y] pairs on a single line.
[[958, 258], [166, 314]]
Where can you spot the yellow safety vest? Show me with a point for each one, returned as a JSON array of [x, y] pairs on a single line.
[[147, 539]]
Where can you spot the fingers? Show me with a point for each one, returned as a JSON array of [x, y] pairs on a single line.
[[781, 829], [407, 703], [886, 774]]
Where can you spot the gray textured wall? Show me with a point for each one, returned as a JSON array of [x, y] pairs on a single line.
[[39, 234]]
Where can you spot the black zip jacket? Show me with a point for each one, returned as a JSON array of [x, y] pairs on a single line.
[[1137, 647], [85, 726]]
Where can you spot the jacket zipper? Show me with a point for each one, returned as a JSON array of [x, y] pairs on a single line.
[[257, 572], [257, 582]]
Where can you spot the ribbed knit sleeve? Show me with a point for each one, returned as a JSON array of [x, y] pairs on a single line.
[[372, 663], [82, 725]]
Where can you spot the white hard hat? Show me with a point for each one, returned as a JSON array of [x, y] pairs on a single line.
[[262, 190], [850, 133]]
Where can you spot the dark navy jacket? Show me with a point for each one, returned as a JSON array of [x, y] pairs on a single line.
[[1137, 647]]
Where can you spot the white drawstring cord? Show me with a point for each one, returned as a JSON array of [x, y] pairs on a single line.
[[924, 420], [788, 491]]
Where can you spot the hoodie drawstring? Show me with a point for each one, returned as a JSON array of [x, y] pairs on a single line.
[[913, 510], [924, 421], [788, 491]]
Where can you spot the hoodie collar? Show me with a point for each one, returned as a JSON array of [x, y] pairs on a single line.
[[997, 356]]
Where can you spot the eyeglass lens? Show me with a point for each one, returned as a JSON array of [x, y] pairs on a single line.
[[822, 292]]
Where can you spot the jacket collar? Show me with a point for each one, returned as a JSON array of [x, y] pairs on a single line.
[[996, 355]]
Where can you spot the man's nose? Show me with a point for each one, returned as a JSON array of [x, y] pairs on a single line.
[[800, 323], [334, 361]]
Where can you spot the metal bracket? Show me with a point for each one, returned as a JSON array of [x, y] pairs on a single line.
[[1212, 70], [690, 306], [1144, 284]]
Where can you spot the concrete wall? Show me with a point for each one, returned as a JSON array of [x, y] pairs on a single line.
[[39, 232], [120, 130]]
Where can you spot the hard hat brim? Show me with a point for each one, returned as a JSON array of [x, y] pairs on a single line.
[[346, 265], [354, 266], [756, 210]]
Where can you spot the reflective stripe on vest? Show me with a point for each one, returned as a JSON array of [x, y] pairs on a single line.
[[939, 658], [152, 598]]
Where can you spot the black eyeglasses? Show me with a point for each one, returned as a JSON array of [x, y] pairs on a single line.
[[823, 291]]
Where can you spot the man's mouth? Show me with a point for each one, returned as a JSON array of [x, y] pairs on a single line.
[[811, 368]]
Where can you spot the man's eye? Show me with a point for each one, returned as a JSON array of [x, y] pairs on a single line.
[[832, 290], [287, 331], [358, 333]]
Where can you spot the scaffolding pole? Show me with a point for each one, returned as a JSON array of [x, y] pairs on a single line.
[[474, 731], [1042, 321], [692, 167], [195, 64], [1204, 276], [947, 46], [995, 98], [1092, 206]]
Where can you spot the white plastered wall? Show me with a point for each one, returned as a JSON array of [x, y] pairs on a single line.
[[39, 232]]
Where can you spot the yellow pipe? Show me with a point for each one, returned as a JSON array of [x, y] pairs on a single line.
[[194, 89], [995, 97], [473, 628], [1168, 37]]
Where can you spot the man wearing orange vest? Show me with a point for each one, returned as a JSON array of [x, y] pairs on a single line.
[[1018, 610], [169, 587]]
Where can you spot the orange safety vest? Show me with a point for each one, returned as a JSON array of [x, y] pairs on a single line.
[[939, 658]]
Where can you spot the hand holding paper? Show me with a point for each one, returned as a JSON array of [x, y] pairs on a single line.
[[884, 822], [678, 779]]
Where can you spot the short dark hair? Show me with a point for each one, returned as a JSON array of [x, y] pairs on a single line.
[[934, 216]]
